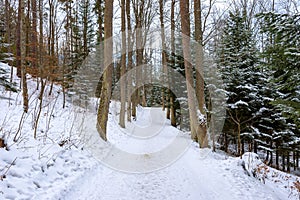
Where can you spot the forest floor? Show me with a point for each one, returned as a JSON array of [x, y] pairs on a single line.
[[149, 159]]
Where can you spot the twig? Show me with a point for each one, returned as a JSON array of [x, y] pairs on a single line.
[[4, 175], [16, 138]]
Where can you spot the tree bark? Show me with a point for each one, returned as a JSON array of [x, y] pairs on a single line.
[[8, 33], [19, 39], [185, 28], [21, 68], [103, 111], [85, 27], [138, 11], [288, 161], [199, 72], [165, 96], [99, 11], [277, 157], [172, 97], [34, 41], [129, 64], [123, 66], [41, 39], [163, 56]]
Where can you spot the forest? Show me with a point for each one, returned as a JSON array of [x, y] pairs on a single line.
[[225, 72], [252, 46]]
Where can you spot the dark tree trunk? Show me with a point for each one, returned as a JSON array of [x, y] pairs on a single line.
[[277, 157], [283, 161], [288, 164], [172, 96], [255, 146]]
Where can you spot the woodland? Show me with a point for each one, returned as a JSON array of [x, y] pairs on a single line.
[[227, 72]]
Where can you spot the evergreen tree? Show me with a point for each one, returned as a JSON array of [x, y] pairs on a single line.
[[237, 60], [283, 58], [177, 86], [4, 56], [87, 21], [5, 44], [81, 34]]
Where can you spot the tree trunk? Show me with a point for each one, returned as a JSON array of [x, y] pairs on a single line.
[[165, 97], [199, 72], [123, 66], [34, 41], [185, 26], [271, 159], [85, 28], [277, 157], [297, 159], [172, 97], [100, 10], [283, 161], [255, 146], [41, 39], [163, 56], [19, 38], [288, 162], [294, 160], [226, 142], [139, 52], [103, 111], [239, 140], [242, 147], [51, 43], [20, 65], [36, 123], [129, 64], [8, 33]]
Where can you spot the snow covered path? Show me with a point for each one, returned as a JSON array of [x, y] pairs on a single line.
[[195, 174], [179, 181]]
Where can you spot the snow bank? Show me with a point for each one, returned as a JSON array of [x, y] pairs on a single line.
[[254, 166]]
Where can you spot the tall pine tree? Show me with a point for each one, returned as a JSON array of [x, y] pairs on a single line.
[[237, 58]]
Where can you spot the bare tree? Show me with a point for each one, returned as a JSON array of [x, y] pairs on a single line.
[[34, 41], [8, 25], [102, 115], [129, 64], [186, 30], [51, 41], [172, 97], [138, 7], [202, 139], [165, 79], [19, 39], [123, 65], [21, 68]]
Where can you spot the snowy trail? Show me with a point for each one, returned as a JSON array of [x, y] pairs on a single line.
[[194, 175], [178, 181]]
